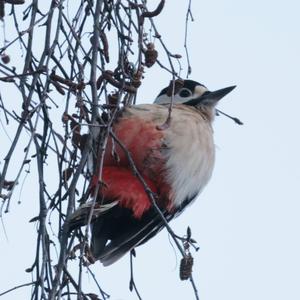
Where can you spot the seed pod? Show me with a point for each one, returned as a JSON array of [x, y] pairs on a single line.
[[150, 55], [137, 78], [186, 266]]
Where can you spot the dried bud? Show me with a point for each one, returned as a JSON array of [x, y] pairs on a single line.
[[137, 78], [72, 255], [83, 141], [186, 266], [34, 219], [76, 139], [67, 173], [136, 82], [178, 56], [104, 40], [150, 55], [29, 270], [188, 232], [8, 185], [58, 87], [133, 253], [5, 58], [93, 296], [65, 118], [99, 81], [113, 99]]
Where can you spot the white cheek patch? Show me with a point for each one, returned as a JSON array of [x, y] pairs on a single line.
[[199, 91], [162, 99]]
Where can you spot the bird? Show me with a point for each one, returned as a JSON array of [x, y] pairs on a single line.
[[172, 151]]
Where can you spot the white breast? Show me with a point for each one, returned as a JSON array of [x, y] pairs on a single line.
[[190, 150], [190, 155]]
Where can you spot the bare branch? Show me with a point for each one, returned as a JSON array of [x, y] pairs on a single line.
[[76, 68]]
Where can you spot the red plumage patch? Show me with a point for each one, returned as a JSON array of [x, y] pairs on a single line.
[[123, 186], [142, 140], [144, 143]]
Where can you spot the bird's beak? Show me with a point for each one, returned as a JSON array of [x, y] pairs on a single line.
[[210, 98], [219, 94]]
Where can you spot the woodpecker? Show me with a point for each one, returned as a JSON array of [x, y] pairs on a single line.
[[175, 157]]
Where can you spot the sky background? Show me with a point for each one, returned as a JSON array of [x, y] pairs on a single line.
[[246, 221]]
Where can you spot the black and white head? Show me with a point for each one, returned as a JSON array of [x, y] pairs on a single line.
[[192, 93]]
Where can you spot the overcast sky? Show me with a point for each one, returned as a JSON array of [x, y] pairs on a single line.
[[247, 219]]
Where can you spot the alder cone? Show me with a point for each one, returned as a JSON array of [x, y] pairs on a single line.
[[150, 55], [186, 266]]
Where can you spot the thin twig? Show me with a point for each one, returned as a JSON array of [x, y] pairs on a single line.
[[63, 116], [18, 287], [188, 17], [132, 284]]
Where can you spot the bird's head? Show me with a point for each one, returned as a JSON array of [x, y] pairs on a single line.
[[191, 93]]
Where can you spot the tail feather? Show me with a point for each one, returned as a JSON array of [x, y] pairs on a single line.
[[119, 247], [145, 229], [80, 216], [115, 230]]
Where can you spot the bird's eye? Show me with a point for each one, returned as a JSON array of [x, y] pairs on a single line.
[[185, 93]]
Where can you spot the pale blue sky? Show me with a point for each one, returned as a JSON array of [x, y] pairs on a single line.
[[247, 219]]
